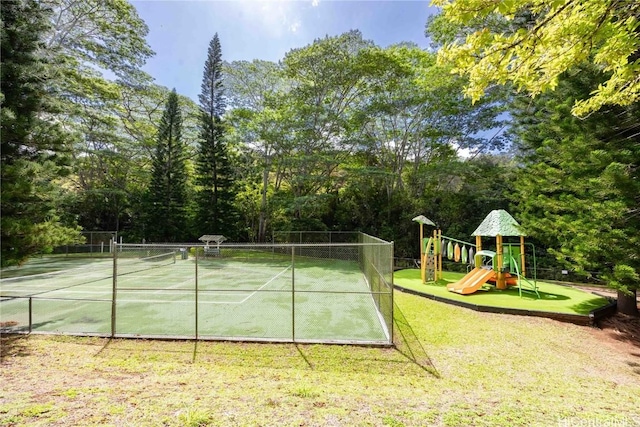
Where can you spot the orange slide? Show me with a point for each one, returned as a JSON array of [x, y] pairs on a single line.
[[472, 281]]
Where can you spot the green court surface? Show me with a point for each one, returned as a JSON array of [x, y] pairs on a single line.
[[553, 298], [271, 299]]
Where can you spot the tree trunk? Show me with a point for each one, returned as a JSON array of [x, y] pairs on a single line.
[[627, 304]]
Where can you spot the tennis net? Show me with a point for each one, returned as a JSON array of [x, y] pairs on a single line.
[[130, 262], [42, 283]]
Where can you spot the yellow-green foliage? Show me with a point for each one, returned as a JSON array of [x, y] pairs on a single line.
[[562, 34]]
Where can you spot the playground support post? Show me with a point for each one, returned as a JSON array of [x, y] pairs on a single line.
[[423, 258], [500, 281], [523, 272], [437, 237]]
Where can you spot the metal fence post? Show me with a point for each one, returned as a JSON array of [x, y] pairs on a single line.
[[30, 314], [391, 291], [293, 293], [196, 296], [113, 292]]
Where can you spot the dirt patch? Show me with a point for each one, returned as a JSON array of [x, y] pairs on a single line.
[[621, 332]]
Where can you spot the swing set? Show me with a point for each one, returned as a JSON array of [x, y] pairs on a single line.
[[504, 268]]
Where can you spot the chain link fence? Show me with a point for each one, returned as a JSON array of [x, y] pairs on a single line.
[[97, 244], [316, 236], [376, 261], [282, 292]]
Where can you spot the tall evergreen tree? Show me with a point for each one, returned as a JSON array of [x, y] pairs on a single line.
[[580, 190], [33, 148], [216, 212], [167, 192]]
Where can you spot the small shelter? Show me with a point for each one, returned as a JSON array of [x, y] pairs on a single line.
[[208, 239]]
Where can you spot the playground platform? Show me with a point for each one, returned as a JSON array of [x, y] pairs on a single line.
[[558, 302]]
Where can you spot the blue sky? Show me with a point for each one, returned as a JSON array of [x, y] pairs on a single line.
[[180, 31]]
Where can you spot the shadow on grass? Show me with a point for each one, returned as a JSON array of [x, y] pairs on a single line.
[[13, 345], [408, 344], [547, 296], [304, 357], [407, 357], [588, 306], [527, 294], [104, 347], [11, 327]]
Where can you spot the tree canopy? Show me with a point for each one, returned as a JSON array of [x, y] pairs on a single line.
[[34, 150], [543, 39], [579, 190]]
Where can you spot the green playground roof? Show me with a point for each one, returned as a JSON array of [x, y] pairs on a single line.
[[423, 220], [498, 222]]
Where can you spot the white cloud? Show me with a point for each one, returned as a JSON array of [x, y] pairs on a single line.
[[294, 27], [315, 3], [277, 17], [463, 153]]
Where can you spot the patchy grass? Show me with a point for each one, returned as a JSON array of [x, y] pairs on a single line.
[[451, 367], [553, 298]]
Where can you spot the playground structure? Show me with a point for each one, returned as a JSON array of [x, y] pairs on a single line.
[[505, 267]]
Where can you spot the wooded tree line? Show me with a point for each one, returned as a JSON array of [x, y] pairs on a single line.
[[339, 135]]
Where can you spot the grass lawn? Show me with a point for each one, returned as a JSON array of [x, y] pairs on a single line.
[[554, 298], [451, 367]]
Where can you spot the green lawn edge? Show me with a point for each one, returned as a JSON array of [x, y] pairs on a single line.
[[553, 298]]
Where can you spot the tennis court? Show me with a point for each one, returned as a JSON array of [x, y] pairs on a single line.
[[301, 293]]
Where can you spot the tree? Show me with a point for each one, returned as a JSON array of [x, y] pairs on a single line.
[[545, 40], [33, 148], [91, 36], [343, 134], [213, 166], [167, 192], [580, 188], [331, 79], [255, 91], [112, 152], [409, 121]]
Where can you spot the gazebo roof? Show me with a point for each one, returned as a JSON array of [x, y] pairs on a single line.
[[217, 238], [498, 222]]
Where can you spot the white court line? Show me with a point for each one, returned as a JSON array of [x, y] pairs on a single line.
[[87, 280], [190, 302], [219, 302], [177, 285], [50, 273], [260, 288], [159, 290]]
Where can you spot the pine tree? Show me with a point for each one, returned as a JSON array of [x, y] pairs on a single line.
[[33, 148], [167, 193], [579, 192], [216, 212]]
